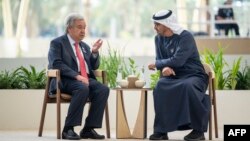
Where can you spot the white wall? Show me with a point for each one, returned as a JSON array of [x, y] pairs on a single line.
[[38, 47]]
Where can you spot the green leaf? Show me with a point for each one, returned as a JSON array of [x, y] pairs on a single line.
[[154, 79]]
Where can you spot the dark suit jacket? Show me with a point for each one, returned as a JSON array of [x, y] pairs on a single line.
[[61, 56], [226, 13]]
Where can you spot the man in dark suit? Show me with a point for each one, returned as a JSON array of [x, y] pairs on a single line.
[[227, 13], [76, 62]]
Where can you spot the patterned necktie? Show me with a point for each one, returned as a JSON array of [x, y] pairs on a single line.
[[81, 61]]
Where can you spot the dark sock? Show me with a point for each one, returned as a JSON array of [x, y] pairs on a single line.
[[160, 133], [87, 128], [66, 128], [197, 132]]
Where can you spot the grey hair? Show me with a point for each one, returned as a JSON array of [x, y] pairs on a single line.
[[70, 19]]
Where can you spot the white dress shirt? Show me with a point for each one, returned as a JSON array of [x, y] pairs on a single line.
[[72, 42]]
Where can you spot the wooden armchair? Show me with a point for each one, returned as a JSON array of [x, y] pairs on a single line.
[[65, 98]]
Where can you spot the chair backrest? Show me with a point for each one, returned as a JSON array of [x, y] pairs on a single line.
[[208, 70], [211, 80], [55, 73], [102, 76]]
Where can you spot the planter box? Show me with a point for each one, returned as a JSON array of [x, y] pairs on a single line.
[[233, 107], [21, 109]]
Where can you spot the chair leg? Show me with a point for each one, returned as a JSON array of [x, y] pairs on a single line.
[[210, 87], [107, 121], [215, 111], [210, 126], [40, 132], [58, 118], [215, 122]]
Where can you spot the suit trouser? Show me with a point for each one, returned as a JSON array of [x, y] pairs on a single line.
[[96, 92], [228, 27], [235, 27]]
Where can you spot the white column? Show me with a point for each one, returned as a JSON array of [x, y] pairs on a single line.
[[23, 11], [7, 19], [182, 13], [86, 6]]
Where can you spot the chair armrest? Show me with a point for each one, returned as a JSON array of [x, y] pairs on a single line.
[[53, 73], [101, 74], [98, 73]]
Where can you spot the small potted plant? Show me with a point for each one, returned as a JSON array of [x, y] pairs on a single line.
[[141, 81], [133, 74]]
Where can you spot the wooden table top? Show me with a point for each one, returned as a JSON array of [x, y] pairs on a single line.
[[132, 89]]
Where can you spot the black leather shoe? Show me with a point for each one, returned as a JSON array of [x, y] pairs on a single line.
[[159, 136], [70, 135], [90, 134], [194, 136]]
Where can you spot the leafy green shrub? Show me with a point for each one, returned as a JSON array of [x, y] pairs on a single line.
[[218, 63], [114, 62], [22, 78], [10, 80], [32, 79], [154, 79], [111, 64], [225, 79], [243, 79], [233, 74]]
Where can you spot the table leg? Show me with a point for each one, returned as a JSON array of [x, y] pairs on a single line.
[[122, 128], [140, 130]]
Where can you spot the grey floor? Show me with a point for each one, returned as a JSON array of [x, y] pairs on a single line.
[[26, 135]]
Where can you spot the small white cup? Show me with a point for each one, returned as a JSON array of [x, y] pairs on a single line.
[[123, 83], [140, 83]]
